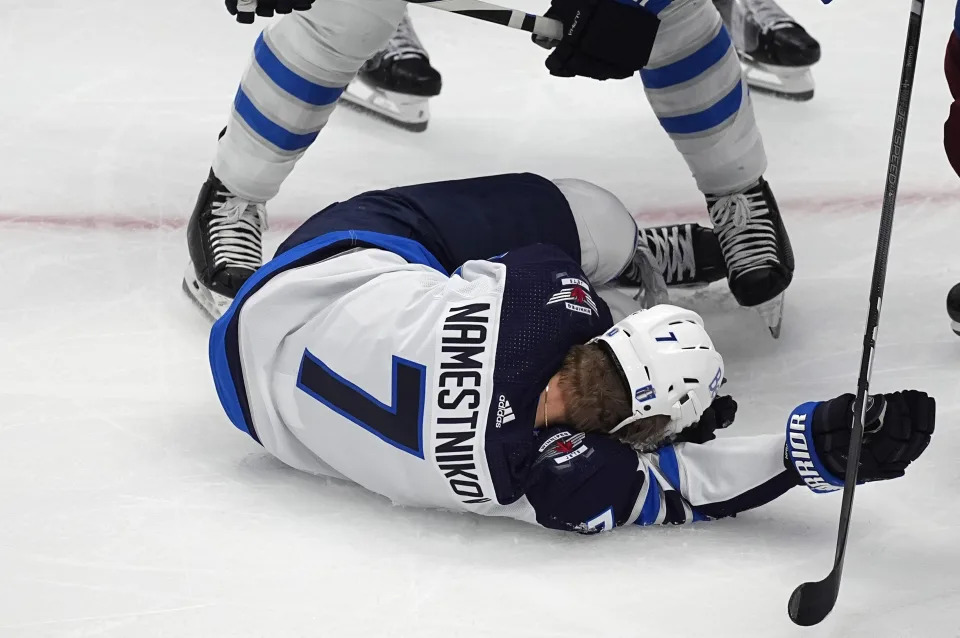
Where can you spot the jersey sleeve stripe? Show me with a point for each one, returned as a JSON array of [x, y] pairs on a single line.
[[641, 497], [662, 514], [670, 466], [652, 504]]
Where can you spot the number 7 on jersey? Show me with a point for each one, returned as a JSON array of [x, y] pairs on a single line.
[[400, 424]]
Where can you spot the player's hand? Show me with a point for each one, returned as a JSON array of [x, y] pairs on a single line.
[[602, 39], [719, 415], [897, 429], [245, 10]]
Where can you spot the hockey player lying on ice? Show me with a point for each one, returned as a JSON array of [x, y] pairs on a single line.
[[449, 345]]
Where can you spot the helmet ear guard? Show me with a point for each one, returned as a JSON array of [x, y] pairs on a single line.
[[667, 363]]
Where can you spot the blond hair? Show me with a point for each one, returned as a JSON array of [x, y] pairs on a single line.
[[597, 399]]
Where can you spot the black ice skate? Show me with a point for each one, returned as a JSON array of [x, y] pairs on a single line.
[[756, 249], [682, 255], [224, 239], [397, 82], [953, 308], [775, 51]]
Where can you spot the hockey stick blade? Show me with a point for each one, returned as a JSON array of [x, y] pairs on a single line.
[[810, 603]]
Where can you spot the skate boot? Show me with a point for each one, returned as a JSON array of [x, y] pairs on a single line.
[[682, 255], [953, 308], [224, 239], [756, 249], [397, 82], [775, 51]]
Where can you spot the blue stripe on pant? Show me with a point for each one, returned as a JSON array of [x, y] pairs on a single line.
[[288, 85], [689, 67], [267, 128], [694, 83], [706, 119], [289, 81]]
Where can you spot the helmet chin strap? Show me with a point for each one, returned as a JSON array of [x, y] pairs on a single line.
[[682, 415], [685, 413], [633, 418]]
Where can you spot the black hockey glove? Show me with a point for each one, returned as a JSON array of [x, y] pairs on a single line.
[[718, 416], [245, 10], [897, 429], [602, 39]]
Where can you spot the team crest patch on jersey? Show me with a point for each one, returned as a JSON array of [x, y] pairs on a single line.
[[575, 296], [562, 448]]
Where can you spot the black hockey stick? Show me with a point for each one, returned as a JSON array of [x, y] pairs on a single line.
[[513, 18], [811, 602]]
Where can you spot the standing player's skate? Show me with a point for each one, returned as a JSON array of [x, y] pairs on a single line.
[[775, 51], [756, 249], [953, 308], [398, 81], [224, 239], [682, 256]]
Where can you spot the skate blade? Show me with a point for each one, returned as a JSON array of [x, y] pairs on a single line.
[[212, 304], [789, 83], [410, 112], [772, 314]]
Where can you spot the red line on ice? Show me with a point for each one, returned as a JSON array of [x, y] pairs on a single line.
[[655, 214]]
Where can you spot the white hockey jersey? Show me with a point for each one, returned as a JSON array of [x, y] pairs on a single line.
[[380, 370], [357, 357]]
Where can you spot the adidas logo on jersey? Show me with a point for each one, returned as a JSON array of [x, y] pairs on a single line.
[[504, 411]]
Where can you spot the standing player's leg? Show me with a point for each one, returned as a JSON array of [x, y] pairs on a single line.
[[694, 83], [299, 68]]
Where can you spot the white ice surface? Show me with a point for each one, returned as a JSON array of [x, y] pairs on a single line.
[[130, 507]]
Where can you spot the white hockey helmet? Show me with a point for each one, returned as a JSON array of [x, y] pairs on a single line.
[[668, 362]]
